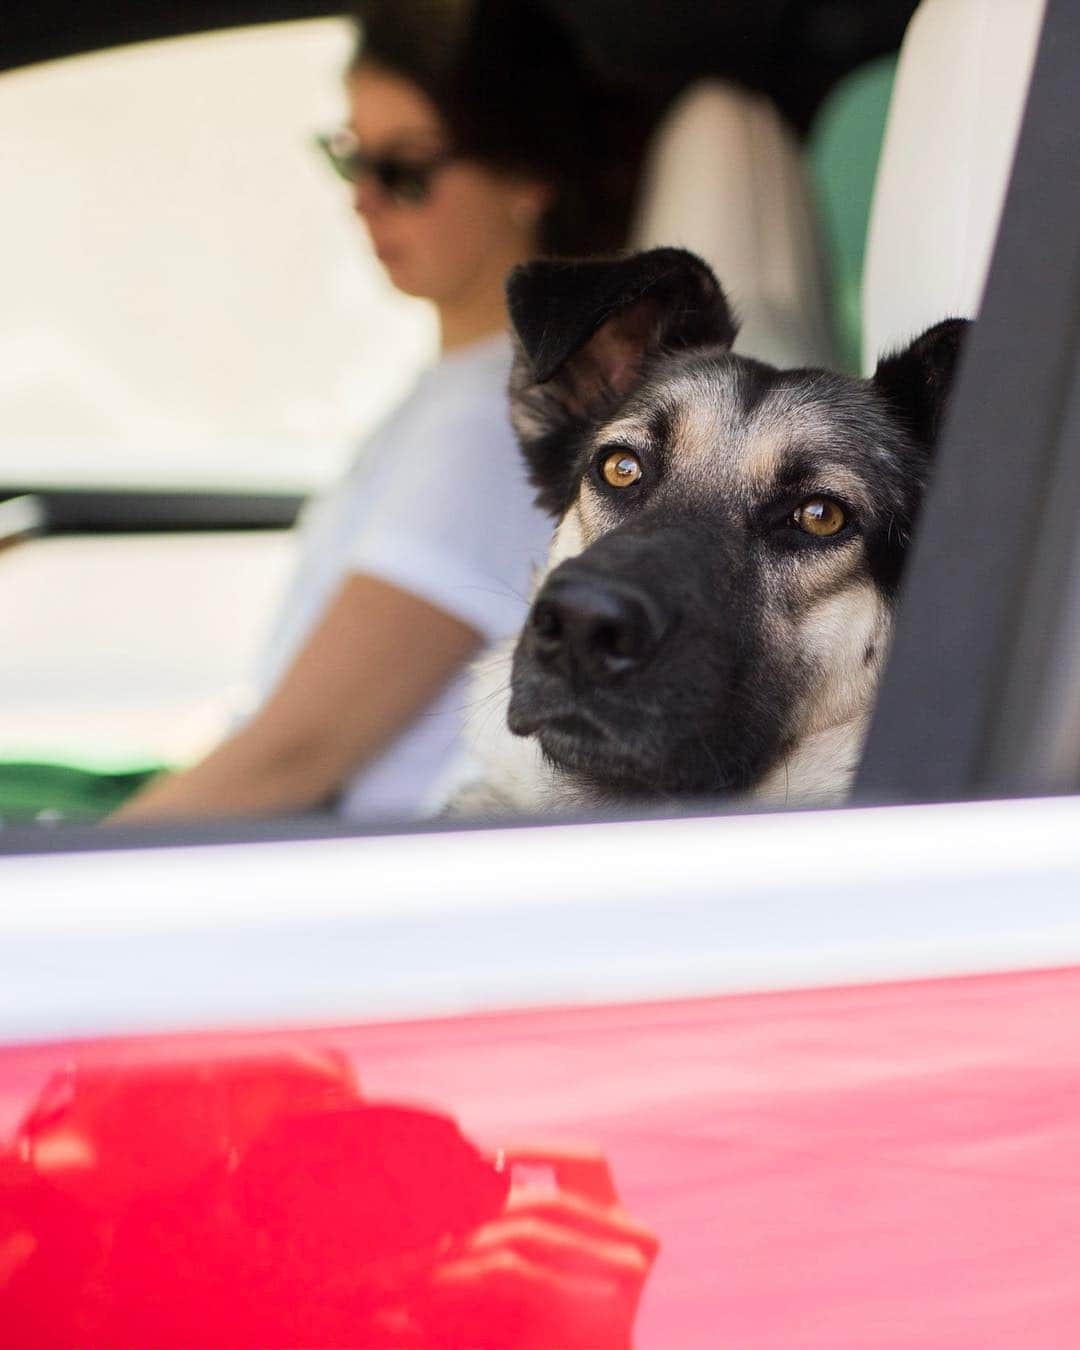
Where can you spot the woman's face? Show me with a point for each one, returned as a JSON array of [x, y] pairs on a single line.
[[472, 225]]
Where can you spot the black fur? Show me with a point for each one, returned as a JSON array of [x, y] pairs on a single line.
[[658, 732], [667, 296], [586, 331], [916, 382]]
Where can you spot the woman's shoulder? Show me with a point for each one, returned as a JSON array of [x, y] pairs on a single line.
[[464, 389], [478, 369]]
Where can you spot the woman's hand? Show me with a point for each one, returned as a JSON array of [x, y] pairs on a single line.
[[559, 1269]]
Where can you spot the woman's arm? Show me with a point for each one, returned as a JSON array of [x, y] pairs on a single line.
[[377, 657]]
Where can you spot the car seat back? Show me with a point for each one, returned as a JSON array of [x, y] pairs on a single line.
[[723, 177], [843, 147], [949, 143]]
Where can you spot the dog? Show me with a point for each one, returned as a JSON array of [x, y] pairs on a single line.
[[719, 598]]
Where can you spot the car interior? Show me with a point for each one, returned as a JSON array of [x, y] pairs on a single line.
[[118, 450], [829, 1055], [142, 458], [978, 699]]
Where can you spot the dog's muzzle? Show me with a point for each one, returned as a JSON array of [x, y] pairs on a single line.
[[593, 629]]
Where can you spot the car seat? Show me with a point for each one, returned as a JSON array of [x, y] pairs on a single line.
[[948, 149], [723, 176], [843, 147], [972, 690]]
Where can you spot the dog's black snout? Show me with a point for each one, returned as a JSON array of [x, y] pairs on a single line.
[[599, 628]]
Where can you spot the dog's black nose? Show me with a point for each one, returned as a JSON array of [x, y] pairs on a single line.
[[599, 628]]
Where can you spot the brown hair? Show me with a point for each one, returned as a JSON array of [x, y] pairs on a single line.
[[517, 93]]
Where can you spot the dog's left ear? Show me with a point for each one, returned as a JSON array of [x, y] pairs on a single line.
[[918, 381], [586, 331]]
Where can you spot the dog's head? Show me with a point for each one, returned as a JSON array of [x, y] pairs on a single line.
[[730, 535]]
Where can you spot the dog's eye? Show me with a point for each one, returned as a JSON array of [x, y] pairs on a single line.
[[621, 468], [819, 516]]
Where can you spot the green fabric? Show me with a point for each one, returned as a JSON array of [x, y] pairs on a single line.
[[51, 792], [843, 149]]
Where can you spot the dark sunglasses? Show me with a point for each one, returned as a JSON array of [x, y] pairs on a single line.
[[406, 181]]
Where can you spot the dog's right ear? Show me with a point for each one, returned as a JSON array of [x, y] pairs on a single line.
[[585, 333]]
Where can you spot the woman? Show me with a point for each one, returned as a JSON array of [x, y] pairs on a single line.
[[472, 144]]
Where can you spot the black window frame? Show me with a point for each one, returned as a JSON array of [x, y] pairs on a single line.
[[86, 510]]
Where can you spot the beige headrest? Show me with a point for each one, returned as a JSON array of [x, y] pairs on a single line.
[[949, 143], [724, 178]]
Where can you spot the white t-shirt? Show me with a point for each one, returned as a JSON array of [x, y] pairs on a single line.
[[437, 504]]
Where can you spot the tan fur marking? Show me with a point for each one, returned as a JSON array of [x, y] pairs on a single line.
[[762, 454], [630, 431], [594, 515], [568, 542], [841, 482], [836, 634], [819, 770], [769, 439], [695, 439], [815, 578]]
